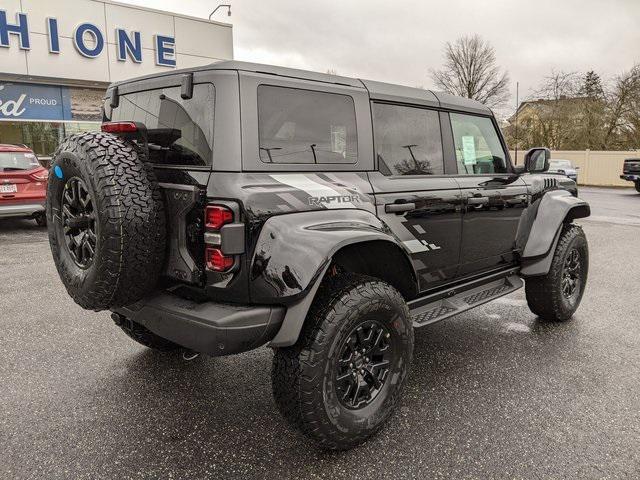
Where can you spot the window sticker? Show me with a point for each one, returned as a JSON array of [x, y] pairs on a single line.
[[339, 139], [469, 150]]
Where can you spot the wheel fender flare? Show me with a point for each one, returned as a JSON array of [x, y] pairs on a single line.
[[294, 251], [554, 209]]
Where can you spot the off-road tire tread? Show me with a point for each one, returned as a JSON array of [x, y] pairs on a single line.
[[293, 389], [132, 221], [544, 292]]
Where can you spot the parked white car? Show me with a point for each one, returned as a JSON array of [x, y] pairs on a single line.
[[565, 167]]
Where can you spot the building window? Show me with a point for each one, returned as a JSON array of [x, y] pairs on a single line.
[[305, 126], [408, 140]]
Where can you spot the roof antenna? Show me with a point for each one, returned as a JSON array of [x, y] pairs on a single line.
[[228, 7]]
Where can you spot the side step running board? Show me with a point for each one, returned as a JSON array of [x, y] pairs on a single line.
[[464, 300]]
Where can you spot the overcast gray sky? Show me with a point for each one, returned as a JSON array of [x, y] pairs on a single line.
[[400, 41]]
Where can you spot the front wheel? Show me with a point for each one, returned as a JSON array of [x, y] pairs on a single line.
[[343, 378], [557, 295]]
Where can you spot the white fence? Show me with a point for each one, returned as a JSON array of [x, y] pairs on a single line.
[[596, 167]]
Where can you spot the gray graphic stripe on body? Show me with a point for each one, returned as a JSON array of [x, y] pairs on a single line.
[[312, 187]]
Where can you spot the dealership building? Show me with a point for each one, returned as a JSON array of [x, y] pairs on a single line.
[[58, 57]]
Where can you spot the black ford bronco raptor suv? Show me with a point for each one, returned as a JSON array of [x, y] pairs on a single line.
[[235, 205]]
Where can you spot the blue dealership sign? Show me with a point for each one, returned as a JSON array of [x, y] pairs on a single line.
[[129, 44], [26, 101]]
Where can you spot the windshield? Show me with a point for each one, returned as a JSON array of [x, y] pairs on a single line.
[[561, 164], [11, 161]]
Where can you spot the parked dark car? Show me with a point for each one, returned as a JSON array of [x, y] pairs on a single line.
[[231, 206], [23, 184], [631, 171]]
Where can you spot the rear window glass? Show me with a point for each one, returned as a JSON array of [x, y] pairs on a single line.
[[305, 126], [180, 131], [14, 161]]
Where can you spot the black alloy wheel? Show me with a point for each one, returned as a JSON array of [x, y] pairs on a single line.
[[363, 364], [571, 275], [79, 222]]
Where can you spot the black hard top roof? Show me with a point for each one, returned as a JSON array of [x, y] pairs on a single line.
[[377, 90]]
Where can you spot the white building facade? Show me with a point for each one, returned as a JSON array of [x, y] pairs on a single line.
[[57, 58]]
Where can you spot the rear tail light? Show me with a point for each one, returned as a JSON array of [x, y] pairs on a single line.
[[119, 127], [41, 176], [216, 216], [217, 261]]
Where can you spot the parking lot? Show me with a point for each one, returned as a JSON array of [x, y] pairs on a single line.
[[493, 392]]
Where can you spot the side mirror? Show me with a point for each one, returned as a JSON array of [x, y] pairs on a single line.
[[536, 160]]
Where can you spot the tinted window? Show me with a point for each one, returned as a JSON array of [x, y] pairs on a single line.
[[478, 147], [304, 126], [408, 140], [180, 131]]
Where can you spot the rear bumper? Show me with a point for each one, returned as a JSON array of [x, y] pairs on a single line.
[[630, 177], [21, 210], [212, 328]]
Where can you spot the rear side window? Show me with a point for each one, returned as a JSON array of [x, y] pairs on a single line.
[[180, 131], [408, 140], [478, 147], [305, 126]]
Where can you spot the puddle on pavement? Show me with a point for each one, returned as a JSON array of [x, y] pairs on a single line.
[[515, 327], [516, 302]]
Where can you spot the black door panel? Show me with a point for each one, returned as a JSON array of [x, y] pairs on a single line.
[[492, 209], [425, 214]]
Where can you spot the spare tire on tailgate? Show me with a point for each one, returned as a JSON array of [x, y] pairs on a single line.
[[106, 220]]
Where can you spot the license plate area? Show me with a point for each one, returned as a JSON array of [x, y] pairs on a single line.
[[8, 188]]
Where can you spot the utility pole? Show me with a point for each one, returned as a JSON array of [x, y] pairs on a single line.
[[517, 109]]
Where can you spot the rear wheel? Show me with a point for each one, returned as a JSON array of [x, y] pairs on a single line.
[[557, 295], [638, 186], [344, 377]]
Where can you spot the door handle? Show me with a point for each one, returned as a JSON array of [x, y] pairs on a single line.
[[478, 200], [399, 207]]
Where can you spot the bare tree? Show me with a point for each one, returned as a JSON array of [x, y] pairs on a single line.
[[555, 109], [470, 70], [622, 103]]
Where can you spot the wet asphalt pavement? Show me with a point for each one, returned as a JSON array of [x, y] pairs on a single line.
[[493, 392]]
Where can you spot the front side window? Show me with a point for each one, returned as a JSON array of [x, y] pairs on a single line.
[[477, 145], [305, 126], [408, 140], [179, 131]]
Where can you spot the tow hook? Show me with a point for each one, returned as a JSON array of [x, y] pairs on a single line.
[[188, 355]]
